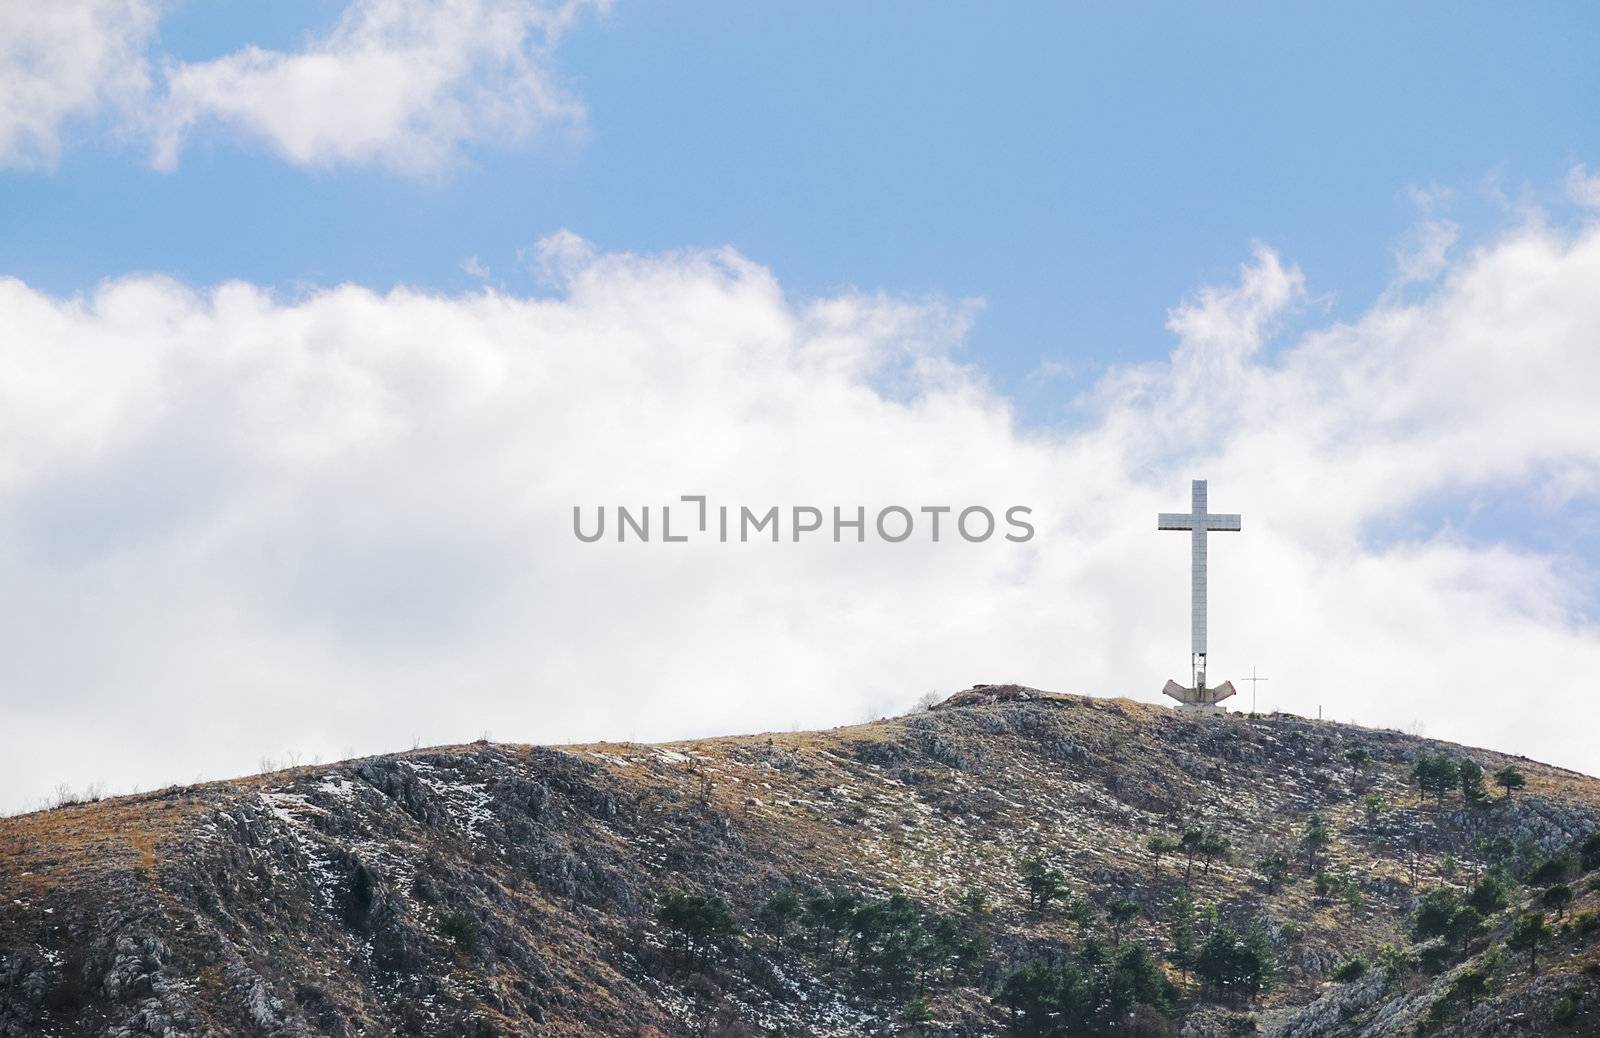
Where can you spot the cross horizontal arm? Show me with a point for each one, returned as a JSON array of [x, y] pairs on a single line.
[[1224, 522], [1175, 521]]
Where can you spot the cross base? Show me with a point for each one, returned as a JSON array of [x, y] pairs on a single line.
[[1199, 699]]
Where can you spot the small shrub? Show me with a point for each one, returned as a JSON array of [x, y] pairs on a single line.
[[1432, 917], [1488, 895], [1353, 968], [1239, 1024], [1396, 964], [462, 930]]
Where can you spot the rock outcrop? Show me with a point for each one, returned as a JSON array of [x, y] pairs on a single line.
[[512, 890]]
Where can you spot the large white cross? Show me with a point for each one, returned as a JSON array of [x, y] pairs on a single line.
[[1199, 522]]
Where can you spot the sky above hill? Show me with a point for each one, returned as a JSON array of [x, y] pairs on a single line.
[[319, 317]]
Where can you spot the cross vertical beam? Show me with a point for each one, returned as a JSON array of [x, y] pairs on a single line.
[[1199, 522], [1197, 570]]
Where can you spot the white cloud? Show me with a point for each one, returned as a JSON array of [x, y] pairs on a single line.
[[1423, 255], [232, 525], [64, 60], [403, 84], [555, 258], [1584, 187], [396, 83]]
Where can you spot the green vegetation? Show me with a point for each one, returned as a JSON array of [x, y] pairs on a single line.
[[1589, 853], [1469, 986], [1161, 845], [1044, 884], [695, 925], [916, 1013], [1465, 990], [1509, 778], [1274, 872], [1490, 894], [1214, 846], [1556, 898], [1108, 981], [1435, 774], [1566, 1010], [1089, 992], [827, 918], [1121, 912], [1529, 935], [779, 914], [462, 930], [887, 944], [1396, 964], [1584, 923], [1551, 871], [1470, 775], [1444, 913], [1232, 965], [1353, 968], [1315, 839], [1190, 842]]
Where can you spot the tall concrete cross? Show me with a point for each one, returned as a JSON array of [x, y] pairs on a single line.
[[1198, 522]]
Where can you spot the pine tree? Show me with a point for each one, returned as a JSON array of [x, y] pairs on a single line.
[[1190, 843], [778, 914], [1214, 846], [1470, 775], [1161, 844], [1316, 838], [1557, 898], [695, 924], [1436, 775], [1044, 884], [1551, 871], [1122, 911], [1489, 894], [1528, 935], [1589, 852], [1274, 870], [1509, 778]]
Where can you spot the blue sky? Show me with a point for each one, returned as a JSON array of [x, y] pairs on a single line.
[[317, 318], [1076, 167]]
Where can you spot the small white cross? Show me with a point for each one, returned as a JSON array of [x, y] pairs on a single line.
[[1254, 681]]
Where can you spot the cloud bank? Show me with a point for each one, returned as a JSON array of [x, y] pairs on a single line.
[[235, 525], [400, 84]]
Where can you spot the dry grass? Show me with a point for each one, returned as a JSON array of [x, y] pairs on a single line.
[[69, 845]]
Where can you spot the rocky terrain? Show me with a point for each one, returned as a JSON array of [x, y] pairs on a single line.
[[496, 889]]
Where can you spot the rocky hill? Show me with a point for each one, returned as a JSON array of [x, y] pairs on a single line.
[[1009, 862]]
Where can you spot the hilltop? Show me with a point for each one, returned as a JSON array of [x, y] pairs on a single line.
[[894, 877]]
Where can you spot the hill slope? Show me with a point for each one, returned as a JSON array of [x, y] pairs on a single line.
[[513, 890]]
